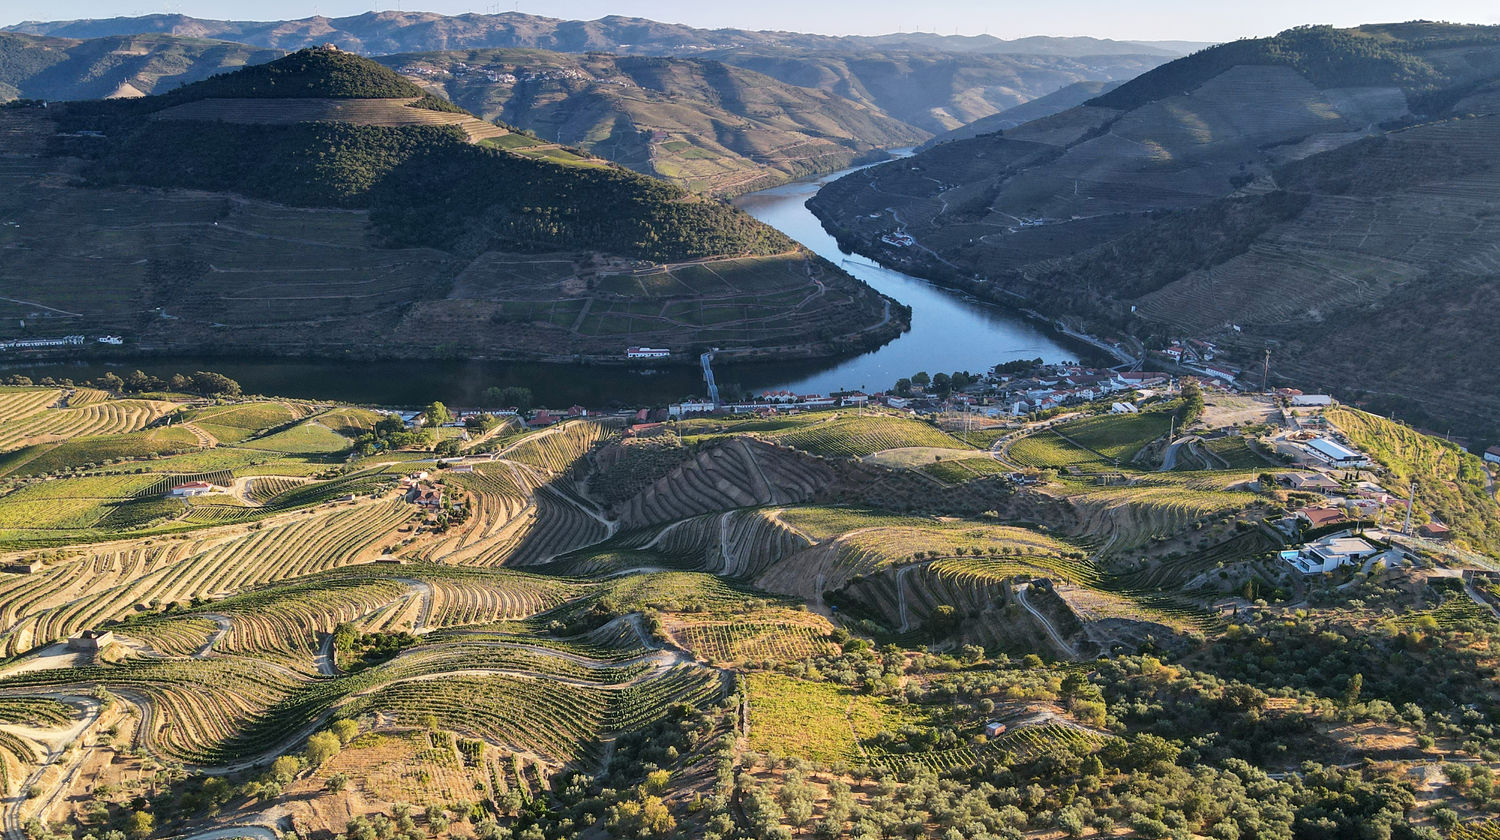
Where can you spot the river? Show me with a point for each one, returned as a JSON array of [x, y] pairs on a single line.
[[948, 333]]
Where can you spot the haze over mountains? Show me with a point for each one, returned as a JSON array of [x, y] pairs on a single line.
[[390, 32], [715, 111], [1327, 192]]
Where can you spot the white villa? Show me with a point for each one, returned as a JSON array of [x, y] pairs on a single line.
[[1328, 554]]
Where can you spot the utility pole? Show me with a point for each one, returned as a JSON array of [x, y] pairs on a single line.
[[1411, 497]]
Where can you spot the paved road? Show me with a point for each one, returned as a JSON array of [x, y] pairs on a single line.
[[1056, 637], [1169, 460]]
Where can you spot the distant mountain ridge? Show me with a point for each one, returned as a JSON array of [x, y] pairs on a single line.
[[721, 122], [391, 32], [39, 67]]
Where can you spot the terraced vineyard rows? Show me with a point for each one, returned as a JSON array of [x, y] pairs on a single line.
[[491, 598], [287, 624], [857, 436], [755, 641], [265, 488], [109, 418], [562, 526], [16, 404], [738, 473], [556, 450]]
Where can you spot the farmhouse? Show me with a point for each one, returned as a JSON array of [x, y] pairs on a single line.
[[91, 640], [1492, 454], [192, 488], [691, 407], [1335, 453], [647, 353], [1317, 517], [994, 728], [1435, 531], [1328, 554], [425, 496]]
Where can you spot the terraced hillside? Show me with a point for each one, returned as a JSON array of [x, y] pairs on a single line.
[[826, 631], [287, 207], [1251, 195]]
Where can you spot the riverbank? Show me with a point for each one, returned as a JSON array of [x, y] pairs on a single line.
[[930, 329], [933, 269]]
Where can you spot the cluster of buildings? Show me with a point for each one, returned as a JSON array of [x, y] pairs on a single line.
[[499, 75], [63, 341], [1198, 356], [1063, 385], [1323, 450], [647, 353]]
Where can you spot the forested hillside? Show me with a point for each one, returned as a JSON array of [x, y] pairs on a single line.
[[399, 224]]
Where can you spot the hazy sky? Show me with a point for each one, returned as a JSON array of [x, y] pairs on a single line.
[[1197, 20]]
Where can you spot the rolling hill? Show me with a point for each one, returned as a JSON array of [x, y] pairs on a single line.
[[708, 126], [33, 67], [394, 31], [936, 91], [290, 208], [720, 122], [1313, 191], [1043, 106]]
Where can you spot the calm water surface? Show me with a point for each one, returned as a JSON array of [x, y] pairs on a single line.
[[948, 333]]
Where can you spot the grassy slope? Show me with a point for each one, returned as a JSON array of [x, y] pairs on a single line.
[[1452, 485]]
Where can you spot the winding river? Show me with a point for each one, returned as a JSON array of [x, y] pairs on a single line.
[[948, 333]]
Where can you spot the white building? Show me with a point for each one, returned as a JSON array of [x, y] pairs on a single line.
[[647, 353], [1336, 454], [1492, 455], [685, 408], [1124, 408], [193, 488], [1328, 554], [1312, 400]]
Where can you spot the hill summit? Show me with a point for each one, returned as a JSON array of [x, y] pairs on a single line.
[[320, 205], [325, 72]]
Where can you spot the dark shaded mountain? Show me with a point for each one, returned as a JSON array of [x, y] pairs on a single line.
[[321, 204], [393, 32], [1043, 106], [33, 67], [708, 126], [1300, 191]]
